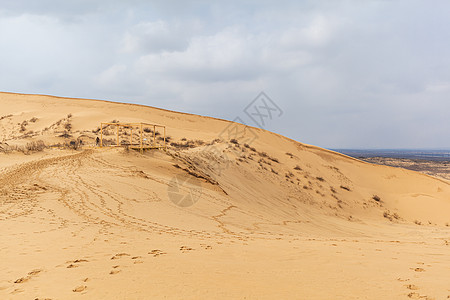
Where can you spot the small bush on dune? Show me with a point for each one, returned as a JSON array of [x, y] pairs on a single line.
[[160, 138], [35, 146], [68, 126]]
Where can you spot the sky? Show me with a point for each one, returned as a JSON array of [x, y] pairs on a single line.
[[341, 73]]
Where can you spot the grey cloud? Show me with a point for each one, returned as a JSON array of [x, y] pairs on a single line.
[[347, 73]]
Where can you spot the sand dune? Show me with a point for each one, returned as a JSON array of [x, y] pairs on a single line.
[[227, 211]]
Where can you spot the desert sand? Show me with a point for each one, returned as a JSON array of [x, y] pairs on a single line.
[[220, 214]]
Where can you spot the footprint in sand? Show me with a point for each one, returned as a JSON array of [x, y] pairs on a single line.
[[414, 295], [73, 263], [22, 280], [115, 271], [206, 247], [136, 259], [72, 266], [418, 269], [156, 252], [30, 275], [185, 249], [34, 272], [79, 289], [119, 255], [412, 287]]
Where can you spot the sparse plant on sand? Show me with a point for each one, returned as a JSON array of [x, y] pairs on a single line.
[[68, 126], [376, 198], [35, 146], [23, 126]]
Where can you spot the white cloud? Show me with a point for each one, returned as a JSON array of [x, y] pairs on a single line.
[[154, 37], [111, 76]]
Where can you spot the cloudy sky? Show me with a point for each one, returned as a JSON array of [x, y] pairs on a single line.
[[346, 74]]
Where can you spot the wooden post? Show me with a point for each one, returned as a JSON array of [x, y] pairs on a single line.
[[131, 136], [118, 134], [101, 135], [142, 150], [154, 135], [165, 138]]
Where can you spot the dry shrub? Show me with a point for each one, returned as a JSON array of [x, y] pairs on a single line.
[[160, 138], [35, 146], [68, 126]]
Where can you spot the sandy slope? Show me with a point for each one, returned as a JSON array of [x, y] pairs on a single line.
[[275, 218]]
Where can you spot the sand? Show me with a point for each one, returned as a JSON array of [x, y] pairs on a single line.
[[258, 217]]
